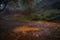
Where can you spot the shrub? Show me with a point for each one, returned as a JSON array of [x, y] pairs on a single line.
[[48, 15]]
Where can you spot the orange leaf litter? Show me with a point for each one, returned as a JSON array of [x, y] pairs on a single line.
[[25, 29]]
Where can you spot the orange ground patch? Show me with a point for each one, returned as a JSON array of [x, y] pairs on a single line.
[[25, 29]]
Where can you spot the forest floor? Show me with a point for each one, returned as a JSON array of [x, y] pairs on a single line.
[[31, 30]]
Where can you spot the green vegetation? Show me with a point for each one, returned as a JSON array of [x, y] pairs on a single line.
[[17, 18], [47, 15], [48, 12]]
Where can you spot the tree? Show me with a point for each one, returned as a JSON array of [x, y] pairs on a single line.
[[3, 4]]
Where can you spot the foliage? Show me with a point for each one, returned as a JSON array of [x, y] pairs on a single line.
[[49, 15], [17, 19]]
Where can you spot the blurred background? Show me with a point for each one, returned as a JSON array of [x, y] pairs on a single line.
[[41, 16], [46, 10]]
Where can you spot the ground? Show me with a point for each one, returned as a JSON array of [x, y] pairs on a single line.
[[31, 30]]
